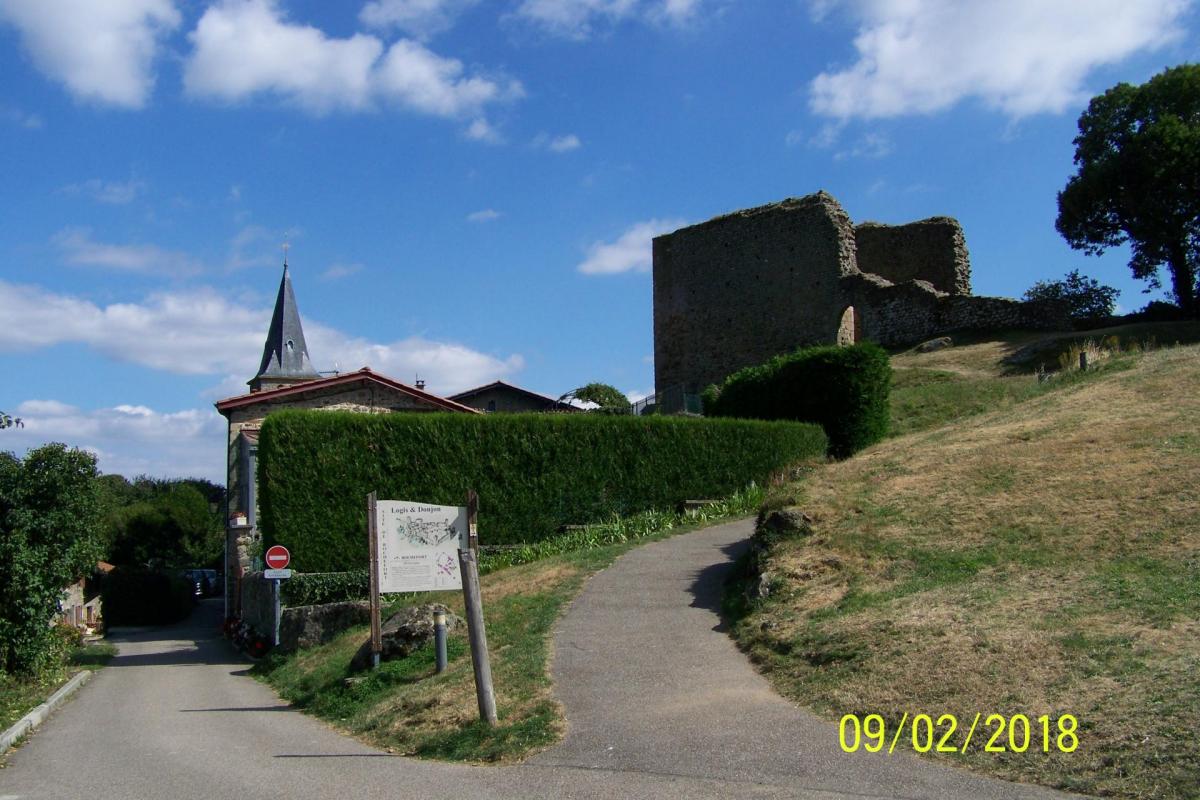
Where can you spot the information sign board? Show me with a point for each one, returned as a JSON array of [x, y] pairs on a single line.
[[418, 546]]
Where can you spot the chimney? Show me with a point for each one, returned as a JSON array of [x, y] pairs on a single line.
[[421, 384]]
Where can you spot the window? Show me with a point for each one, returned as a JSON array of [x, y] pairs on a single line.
[[491, 405]]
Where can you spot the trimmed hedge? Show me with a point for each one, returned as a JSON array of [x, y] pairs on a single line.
[[534, 472], [843, 389]]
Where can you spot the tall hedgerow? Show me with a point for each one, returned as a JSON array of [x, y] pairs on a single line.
[[843, 389], [534, 472]]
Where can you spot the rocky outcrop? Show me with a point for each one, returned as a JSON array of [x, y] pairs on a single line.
[[405, 632]]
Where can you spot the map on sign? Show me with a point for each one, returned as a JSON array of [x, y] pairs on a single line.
[[418, 545]]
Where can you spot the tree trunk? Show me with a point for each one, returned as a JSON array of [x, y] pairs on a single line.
[[1183, 282]]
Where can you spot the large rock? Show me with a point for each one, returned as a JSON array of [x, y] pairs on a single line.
[[309, 626], [789, 521], [404, 632]]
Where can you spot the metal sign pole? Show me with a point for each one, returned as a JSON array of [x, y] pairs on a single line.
[[373, 536], [276, 582]]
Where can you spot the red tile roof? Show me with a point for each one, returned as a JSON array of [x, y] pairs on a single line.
[[364, 374]]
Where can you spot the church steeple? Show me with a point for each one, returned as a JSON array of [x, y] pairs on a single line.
[[285, 356]]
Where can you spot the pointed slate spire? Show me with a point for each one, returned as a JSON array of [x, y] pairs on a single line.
[[285, 356]]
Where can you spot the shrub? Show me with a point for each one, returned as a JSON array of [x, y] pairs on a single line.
[[49, 523], [134, 596], [534, 472], [843, 389], [318, 588], [1085, 298]]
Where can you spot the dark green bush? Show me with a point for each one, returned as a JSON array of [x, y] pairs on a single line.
[[534, 472], [134, 596], [843, 389]]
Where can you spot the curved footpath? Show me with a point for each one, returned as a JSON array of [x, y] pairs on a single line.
[[659, 704]]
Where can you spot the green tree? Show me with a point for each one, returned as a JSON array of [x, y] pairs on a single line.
[[1084, 297], [49, 521], [609, 398], [1138, 153], [8, 421], [171, 524]]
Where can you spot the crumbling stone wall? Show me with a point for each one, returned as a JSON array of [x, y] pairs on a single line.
[[898, 314], [932, 250], [744, 287]]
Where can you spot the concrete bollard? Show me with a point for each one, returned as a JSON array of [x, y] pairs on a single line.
[[439, 637]]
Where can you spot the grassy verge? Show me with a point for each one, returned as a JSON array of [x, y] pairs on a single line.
[[19, 696], [1041, 558], [406, 708]]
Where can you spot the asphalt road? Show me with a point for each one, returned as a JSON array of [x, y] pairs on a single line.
[[659, 705]]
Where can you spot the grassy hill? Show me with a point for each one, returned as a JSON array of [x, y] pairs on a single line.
[[1017, 547]]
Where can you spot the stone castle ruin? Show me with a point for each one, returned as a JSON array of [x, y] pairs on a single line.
[[744, 287]]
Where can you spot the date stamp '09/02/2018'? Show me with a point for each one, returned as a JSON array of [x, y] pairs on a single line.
[[1000, 734]]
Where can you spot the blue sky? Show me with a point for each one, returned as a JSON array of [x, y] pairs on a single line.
[[469, 187]]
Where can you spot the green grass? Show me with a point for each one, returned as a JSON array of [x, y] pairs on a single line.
[[407, 708], [19, 696], [1037, 558]]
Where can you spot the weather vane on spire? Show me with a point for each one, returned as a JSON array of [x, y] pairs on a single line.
[[286, 245]]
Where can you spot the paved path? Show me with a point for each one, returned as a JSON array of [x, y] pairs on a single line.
[[660, 705]]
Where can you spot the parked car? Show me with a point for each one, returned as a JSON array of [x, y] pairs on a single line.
[[206, 582]]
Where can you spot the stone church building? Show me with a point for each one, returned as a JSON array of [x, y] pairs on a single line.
[[287, 379]]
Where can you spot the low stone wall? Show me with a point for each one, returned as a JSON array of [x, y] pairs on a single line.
[[906, 313], [309, 626], [299, 626]]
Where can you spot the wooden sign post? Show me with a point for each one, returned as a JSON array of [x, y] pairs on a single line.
[[412, 548], [468, 564], [376, 630]]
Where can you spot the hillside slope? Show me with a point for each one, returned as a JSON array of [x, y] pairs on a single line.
[[1042, 558]]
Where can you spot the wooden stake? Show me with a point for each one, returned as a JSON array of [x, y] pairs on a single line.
[[484, 692], [373, 537]]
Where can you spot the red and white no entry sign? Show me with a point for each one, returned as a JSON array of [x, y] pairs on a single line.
[[277, 557]]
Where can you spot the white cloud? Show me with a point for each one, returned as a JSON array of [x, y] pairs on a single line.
[[419, 79], [1020, 57], [557, 144], [101, 51], [255, 246], [869, 145], [202, 332], [578, 19], [22, 119], [421, 18], [80, 249], [244, 48], [339, 271], [485, 215], [446, 367], [111, 192], [631, 251], [480, 130], [129, 439]]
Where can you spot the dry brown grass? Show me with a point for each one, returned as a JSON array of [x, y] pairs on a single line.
[[1040, 559]]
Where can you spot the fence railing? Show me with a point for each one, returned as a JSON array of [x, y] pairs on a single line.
[[672, 400]]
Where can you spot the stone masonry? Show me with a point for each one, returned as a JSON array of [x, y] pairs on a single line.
[[744, 287]]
